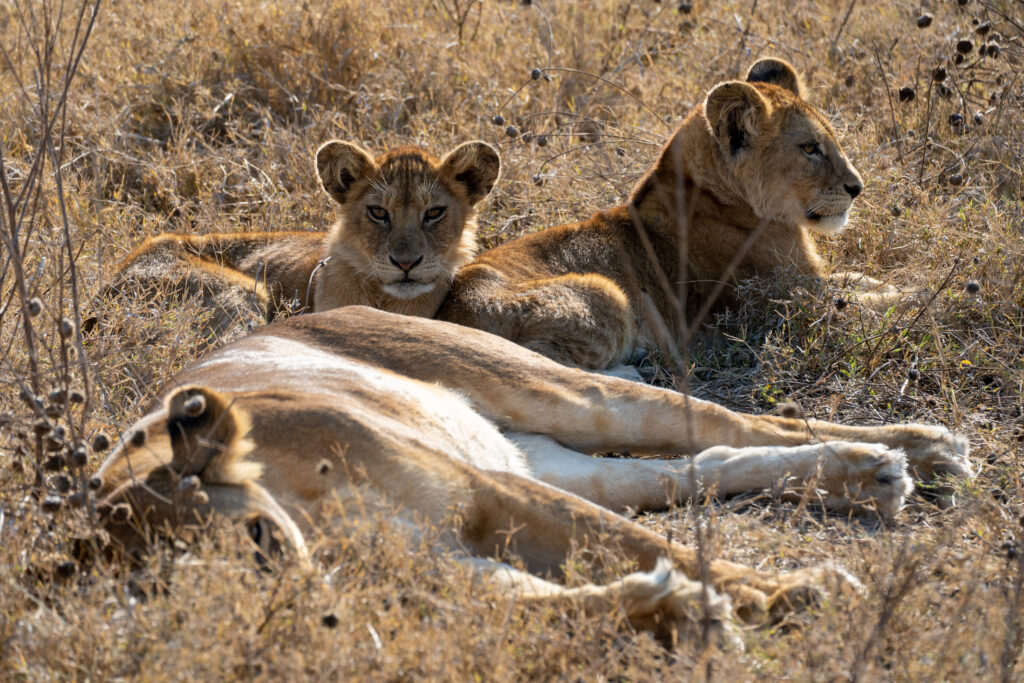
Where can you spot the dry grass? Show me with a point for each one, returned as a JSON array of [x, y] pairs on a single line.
[[203, 117]]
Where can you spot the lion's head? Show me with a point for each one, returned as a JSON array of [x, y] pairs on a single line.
[[407, 219], [782, 152]]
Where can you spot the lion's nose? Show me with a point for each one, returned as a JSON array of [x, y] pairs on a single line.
[[854, 189], [406, 266]]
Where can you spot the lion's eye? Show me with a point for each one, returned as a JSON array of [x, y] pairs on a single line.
[[812, 149], [433, 213], [377, 213]]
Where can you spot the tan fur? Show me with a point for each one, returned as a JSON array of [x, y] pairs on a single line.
[[242, 278], [439, 424], [755, 156]]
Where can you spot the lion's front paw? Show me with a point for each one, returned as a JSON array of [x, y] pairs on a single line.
[[670, 605], [809, 588], [934, 452], [759, 597], [864, 477]]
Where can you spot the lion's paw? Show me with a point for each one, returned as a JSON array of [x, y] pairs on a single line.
[[774, 597], [671, 605], [865, 477], [934, 452]]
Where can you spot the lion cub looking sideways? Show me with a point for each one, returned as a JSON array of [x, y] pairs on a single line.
[[407, 221], [747, 175]]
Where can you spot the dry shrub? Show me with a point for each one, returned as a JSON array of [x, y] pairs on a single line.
[[203, 117]]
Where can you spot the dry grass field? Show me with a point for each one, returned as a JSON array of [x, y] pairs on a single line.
[[204, 116]]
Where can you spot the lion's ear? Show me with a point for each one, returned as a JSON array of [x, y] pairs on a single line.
[[207, 436], [736, 113], [476, 166], [776, 72], [339, 165]]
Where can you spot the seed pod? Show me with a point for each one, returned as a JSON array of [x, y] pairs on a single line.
[[61, 483], [42, 428], [956, 120], [913, 375], [993, 51], [962, 3], [329, 620], [907, 94], [841, 303], [498, 120], [51, 504], [76, 397], [983, 29], [527, 136], [95, 483], [57, 396], [924, 21], [956, 180], [958, 58], [64, 570], [511, 131], [979, 118], [53, 411], [53, 444], [939, 74], [964, 47], [79, 458], [537, 180], [849, 80], [973, 287], [535, 74], [685, 7], [542, 140], [76, 500], [67, 327], [100, 442], [944, 91], [35, 307]]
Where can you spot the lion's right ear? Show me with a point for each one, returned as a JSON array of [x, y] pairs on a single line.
[[474, 165], [208, 436], [736, 113], [339, 165], [776, 72]]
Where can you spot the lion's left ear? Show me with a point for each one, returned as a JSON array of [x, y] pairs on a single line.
[[474, 165], [776, 72], [736, 113]]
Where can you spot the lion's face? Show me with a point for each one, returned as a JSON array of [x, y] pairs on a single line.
[[407, 219], [782, 151]]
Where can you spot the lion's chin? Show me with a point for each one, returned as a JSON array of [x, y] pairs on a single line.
[[828, 225], [408, 289]]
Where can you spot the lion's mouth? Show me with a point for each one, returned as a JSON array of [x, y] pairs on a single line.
[[407, 288], [827, 223]]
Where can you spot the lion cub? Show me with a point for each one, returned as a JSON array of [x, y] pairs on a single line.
[[744, 179], [407, 222]]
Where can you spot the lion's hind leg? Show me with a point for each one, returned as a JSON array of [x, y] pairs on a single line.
[[662, 601]]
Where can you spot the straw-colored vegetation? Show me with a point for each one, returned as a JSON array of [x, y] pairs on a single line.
[[203, 116]]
